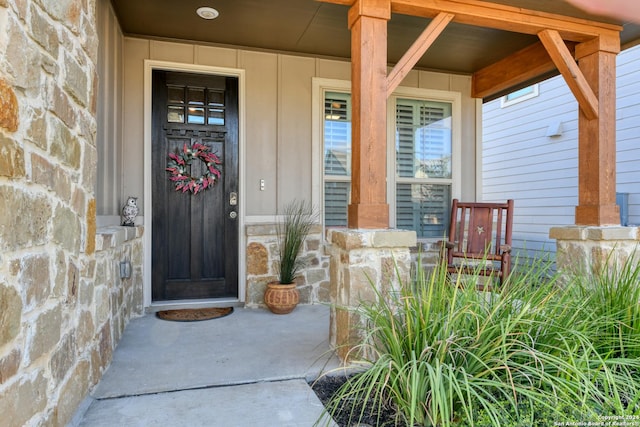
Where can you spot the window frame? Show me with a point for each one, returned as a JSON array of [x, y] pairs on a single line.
[[321, 86], [455, 99], [506, 102]]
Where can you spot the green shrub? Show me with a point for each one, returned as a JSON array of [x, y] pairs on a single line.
[[534, 416], [612, 313], [445, 354], [613, 296]]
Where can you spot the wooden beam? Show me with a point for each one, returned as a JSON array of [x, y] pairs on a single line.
[[520, 68], [368, 208], [597, 145], [598, 44], [571, 72], [417, 49], [342, 2], [501, 17], [508, 18]]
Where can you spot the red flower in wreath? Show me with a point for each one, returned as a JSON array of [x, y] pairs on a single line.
[[179, 161]]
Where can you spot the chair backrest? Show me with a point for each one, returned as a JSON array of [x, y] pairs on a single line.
[[479, 230]]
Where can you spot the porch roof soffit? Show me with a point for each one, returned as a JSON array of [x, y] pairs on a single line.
[[481, 34], [559, 37]]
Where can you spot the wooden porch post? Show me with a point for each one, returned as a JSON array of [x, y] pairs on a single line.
[[597, 136], [368, 24]]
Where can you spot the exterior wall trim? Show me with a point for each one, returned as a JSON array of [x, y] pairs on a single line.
[[479, 141], [319, 86], [149, 66]]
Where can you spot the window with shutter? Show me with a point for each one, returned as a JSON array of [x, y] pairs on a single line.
[[423, 165], [337, 157], [421, 147]]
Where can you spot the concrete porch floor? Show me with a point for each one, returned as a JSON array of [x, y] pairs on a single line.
[[247, 369]]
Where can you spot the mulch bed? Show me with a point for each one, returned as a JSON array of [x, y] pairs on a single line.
[[327, 386]]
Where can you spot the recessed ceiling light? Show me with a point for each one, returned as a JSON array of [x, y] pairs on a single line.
[[207, 13]]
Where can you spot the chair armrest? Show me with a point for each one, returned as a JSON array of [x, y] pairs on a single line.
[[446, 244], [505, 249]]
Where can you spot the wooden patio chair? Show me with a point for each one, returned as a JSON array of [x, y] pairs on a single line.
[[480, 240]]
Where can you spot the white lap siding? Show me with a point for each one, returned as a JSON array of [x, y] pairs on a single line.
[[540, 172]]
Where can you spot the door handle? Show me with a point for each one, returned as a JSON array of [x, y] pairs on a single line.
[[233, 198]]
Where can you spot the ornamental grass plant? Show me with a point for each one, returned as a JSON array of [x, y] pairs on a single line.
[[448, 355], [613, 295], [298, 218]]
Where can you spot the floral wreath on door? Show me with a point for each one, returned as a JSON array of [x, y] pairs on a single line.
[[178, 168]]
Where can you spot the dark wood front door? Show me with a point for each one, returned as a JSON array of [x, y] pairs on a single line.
[[194, 236]]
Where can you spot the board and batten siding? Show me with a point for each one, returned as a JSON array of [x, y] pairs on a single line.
[[278, 121], [540, 172], [109, 115]]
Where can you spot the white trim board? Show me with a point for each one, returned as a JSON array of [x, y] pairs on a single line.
[[149, 66]]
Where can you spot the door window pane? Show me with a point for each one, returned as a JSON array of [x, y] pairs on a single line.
[[215, 107], [196, 115], [423, 139], [175, 114], [175, 102], [216, 116], [203, 105], [423, 208], [196, 96], [216, 98], [176, 94], [196, 105]]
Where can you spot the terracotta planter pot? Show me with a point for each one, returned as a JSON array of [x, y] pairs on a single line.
[[281, 299]]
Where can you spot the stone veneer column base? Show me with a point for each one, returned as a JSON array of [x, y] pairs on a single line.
[[580, 248], [361, 263]]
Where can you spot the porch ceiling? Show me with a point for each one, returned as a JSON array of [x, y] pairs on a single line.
[[317, 28]]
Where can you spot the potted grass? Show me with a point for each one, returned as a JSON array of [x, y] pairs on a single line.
[[281, 296]]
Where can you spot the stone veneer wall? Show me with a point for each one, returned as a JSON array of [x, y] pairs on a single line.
[[62, 305], [427, 253], [116, 299], [365, 264], [313, 283], [581, 248]]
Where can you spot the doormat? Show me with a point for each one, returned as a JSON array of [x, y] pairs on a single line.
[[194, 314]]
